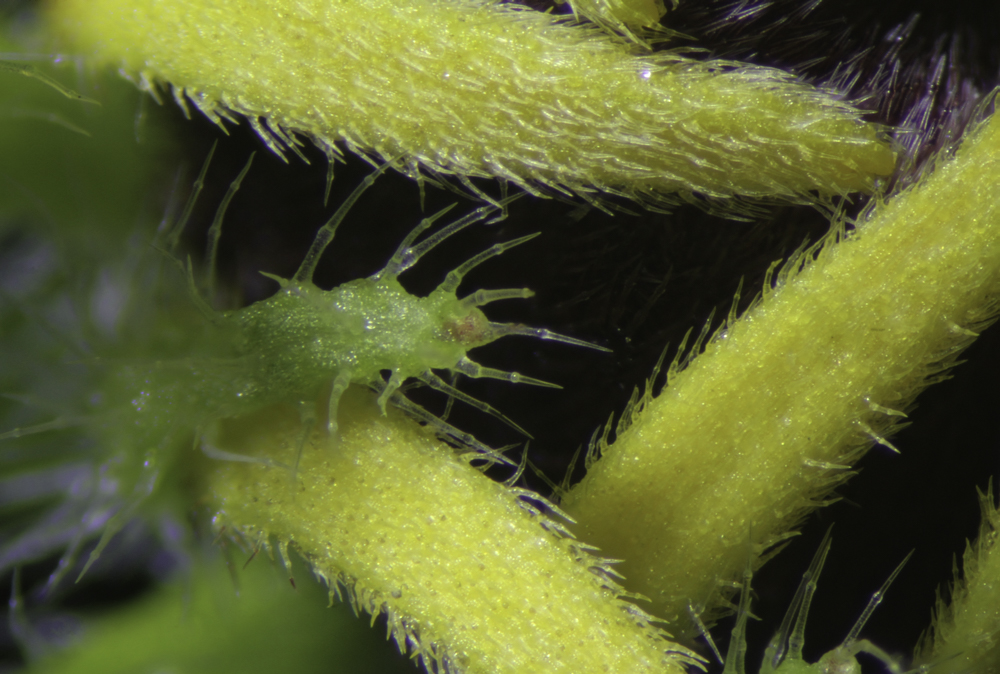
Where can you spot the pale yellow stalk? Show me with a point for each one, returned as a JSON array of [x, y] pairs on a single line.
[[748, 438], [469, 573], [624, 17], [965, 634], [476, 88]]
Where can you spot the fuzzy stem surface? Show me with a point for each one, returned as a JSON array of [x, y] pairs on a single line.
[[470, 575], [478, 88], [757, 430]]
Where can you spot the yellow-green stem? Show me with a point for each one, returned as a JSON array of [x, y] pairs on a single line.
[[467, 572], [965, 633], [750, 435], [479, 88]]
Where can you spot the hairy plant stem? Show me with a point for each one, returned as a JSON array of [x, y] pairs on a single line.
[[753, 433], [470, 573]]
